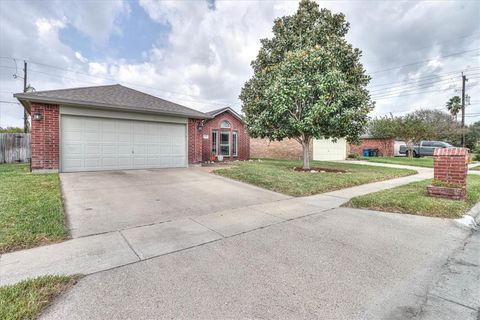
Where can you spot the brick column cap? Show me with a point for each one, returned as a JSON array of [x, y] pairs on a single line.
[[450, 152]]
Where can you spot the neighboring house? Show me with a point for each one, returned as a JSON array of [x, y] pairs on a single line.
[[320, 149], [386, 147], [225, 134], [114, 128], [288, 149]]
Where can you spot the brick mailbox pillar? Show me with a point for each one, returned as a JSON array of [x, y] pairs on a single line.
[[450, 173]]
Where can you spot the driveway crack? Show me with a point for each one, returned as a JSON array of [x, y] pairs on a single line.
[[129, 245]]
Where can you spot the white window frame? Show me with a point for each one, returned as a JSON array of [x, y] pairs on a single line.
[[225, 124], [235, 143], [214, 132], [224, 144]]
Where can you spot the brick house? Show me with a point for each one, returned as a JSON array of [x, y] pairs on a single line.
[[115, 128], [386, 147], [225, 134]]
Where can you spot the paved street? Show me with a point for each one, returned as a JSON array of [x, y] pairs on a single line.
[[338, 264]]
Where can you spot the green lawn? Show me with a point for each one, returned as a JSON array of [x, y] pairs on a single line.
[[31, 211], [412, 198], [278, 175], [417, 162], [26, 299]]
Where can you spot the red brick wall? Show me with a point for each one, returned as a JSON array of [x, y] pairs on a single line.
[[451, 165], [45, 137], [194, 141], [235, 125], [385, 146], [286, 149]]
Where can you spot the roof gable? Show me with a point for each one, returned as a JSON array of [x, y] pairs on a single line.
[[217, 112]]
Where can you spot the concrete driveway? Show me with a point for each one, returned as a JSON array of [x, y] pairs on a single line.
[[99, 202]]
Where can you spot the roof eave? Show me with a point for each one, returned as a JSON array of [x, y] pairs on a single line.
[[233, 112], [26, 99]]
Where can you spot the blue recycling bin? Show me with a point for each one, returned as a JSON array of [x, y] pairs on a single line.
[[366, 152]]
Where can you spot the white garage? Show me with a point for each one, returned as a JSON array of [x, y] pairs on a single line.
[[327, 150], [90, 144]]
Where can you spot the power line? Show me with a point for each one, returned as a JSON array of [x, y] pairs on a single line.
[[11, 102], [183, 100], [404, 95], [427, 77], [408, 89], [113, 79], [423, 61]]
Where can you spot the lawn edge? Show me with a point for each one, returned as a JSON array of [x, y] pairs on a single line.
[[413, 172]]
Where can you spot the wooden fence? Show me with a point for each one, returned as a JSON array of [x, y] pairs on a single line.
[[14, 147]]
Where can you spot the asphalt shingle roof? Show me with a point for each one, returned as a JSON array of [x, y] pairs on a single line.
[[111, 96]]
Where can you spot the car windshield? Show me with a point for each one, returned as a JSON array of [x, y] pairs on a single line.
[[447, 145]]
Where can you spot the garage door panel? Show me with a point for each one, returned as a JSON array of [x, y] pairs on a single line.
[[139, 149], [93, 125], [93, 149], [109, 162], [73, 150], [124, 137], [109, 144], [72, 163], [109, 150], [153, 149]]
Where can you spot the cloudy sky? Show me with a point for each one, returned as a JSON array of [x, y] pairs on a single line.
[[198, 53]]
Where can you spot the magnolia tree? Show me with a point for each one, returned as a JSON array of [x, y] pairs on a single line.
[[308, 81]]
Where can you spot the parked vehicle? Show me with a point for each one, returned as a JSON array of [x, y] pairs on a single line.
[[424, 148]]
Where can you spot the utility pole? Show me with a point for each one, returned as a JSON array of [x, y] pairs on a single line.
[[464, 79], [25, 115]]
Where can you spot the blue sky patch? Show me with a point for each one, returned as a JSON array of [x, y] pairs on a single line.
[[138, 34]]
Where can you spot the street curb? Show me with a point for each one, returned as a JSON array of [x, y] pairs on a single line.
[[470, 220]]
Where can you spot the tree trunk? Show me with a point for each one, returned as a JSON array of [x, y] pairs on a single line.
[[306, 157], [410, 149]]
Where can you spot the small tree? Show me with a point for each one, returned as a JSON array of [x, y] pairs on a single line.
[[454, 105], [384, 129], [308, 81], [412, 129], [444, 127]]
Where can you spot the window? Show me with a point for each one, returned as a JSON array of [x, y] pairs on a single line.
[[225, 143], [214, 141], [225, 124], [234, 143]]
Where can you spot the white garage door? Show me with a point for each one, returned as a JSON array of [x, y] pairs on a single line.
[[325, 149], [89, 144]]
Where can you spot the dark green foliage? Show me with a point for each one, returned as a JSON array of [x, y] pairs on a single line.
[[308, 81]]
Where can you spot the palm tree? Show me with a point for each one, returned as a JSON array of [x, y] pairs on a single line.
[[454, 105]]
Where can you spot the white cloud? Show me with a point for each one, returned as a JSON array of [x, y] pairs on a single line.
[[81, 58], [207, 56]]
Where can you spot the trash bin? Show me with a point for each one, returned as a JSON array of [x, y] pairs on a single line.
[[366, 152]]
